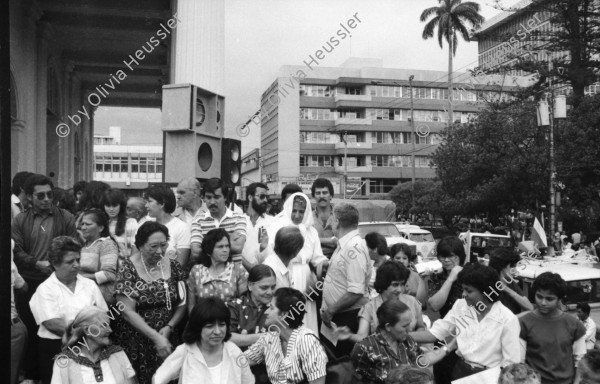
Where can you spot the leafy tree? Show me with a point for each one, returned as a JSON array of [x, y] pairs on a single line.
[[572, 40], [451, 17]]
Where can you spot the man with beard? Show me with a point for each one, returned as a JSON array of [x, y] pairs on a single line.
[[257, 224]]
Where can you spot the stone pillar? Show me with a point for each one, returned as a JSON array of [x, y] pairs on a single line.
[[198, 44], [41, 95]]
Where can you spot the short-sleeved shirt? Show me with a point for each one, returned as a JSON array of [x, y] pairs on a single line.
[[436, 281], [231, 222], [550, 345], [179, 237], [246, 315], [54, 300], [251, 251], [283, 275], [349, 270], [304, 358], [369, 311], [229, 284], [374, 359], [16, 281], [324, 231]]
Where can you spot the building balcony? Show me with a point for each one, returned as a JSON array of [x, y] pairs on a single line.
[[354, 145], [344, 97], [354, 169], [351, 121]]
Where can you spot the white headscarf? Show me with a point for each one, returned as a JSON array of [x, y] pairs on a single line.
[[288, 207]]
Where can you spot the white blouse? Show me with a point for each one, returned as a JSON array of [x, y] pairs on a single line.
[[492, 342], [54, 300], [87, 373], [187, 362]]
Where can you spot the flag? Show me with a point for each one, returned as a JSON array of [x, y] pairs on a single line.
[[538, 235]]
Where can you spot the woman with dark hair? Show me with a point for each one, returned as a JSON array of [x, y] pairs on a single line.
[[390, 347], [415, 286], [88, 356], [114, 203], [59, 298], [91, 198], [206, 354], [390, 283], [161, 203], [378, 251], [219, 276], [100, 253], [292, 353], [504, 261], [487, 333], [150, 292], [248, 310]]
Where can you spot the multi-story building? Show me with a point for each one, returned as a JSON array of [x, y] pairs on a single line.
[[516, 34], [251, 163], [129, 167], [355, 120]]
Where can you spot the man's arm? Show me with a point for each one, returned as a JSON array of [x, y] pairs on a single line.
[[21, 257], [346, 301]]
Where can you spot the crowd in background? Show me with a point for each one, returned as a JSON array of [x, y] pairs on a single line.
[[184, 285]]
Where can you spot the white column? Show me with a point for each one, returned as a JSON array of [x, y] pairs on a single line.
[[198, 53]]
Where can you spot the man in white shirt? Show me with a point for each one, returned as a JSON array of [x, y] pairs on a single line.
[[288, 242], [583, 312], [18, 198], [18, 331], [189, 202], [346, 287], [257, 224], [136, 209]]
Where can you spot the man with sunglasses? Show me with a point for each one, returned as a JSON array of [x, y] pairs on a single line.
[[257, 224], [33, 231]]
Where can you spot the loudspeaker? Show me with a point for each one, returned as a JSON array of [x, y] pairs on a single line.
[[186, 107], [190, 154], [231, 161]]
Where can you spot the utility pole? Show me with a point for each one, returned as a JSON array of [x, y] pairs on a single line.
[[345, 163], [414, 138]]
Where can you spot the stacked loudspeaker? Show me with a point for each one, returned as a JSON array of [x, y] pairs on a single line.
[[193, 123]]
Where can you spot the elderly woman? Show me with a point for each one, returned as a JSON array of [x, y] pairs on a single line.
[[161, 203], [292, 353], [297, 212], [123, 229], [59, 299], [206, 356], [487, 333], [100, 253], [390, 283], [150, 292], [390, 347], [88, 356], [219, 276]]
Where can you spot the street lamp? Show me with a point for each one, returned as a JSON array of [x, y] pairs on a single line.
[[414, 135], [546, 113]]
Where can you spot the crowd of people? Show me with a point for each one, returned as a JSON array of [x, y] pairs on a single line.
[[184, 286]]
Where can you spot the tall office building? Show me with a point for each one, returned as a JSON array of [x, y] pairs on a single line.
[[355, 120]]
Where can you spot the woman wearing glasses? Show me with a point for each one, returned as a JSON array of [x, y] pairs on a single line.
[[150, 292]]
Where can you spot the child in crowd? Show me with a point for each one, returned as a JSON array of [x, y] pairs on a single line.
[[552, 342], [588, 370], [519, 374]]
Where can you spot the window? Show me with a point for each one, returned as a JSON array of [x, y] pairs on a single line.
[[316, 114], [316, 161], [353, 91], [319, 137], [317, 90]]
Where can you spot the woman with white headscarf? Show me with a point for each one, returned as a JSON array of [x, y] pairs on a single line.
[[297, 211]]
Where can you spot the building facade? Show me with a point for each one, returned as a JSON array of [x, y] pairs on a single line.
[[354, 121], [128, 167]]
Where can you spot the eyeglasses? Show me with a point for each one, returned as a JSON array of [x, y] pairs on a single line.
[[262, 197], [42, 195], [154, 247]]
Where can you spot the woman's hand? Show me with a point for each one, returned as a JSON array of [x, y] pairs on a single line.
[[163, 346], [165, 331], [454, 273], [343, 333]]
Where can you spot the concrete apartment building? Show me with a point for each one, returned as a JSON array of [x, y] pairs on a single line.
[[128, 167], [511, 35], [307, 112]]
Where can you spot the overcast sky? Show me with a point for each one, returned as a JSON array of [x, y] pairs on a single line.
[[263, 35]]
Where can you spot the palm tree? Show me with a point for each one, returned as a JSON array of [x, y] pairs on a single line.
[[451, 16]]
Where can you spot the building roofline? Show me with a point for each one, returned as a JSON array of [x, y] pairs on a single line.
[[504, 17]]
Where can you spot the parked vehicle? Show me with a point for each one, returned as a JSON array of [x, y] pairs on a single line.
[[583, 283], [478, 245], [388, 230], [424, 239]]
